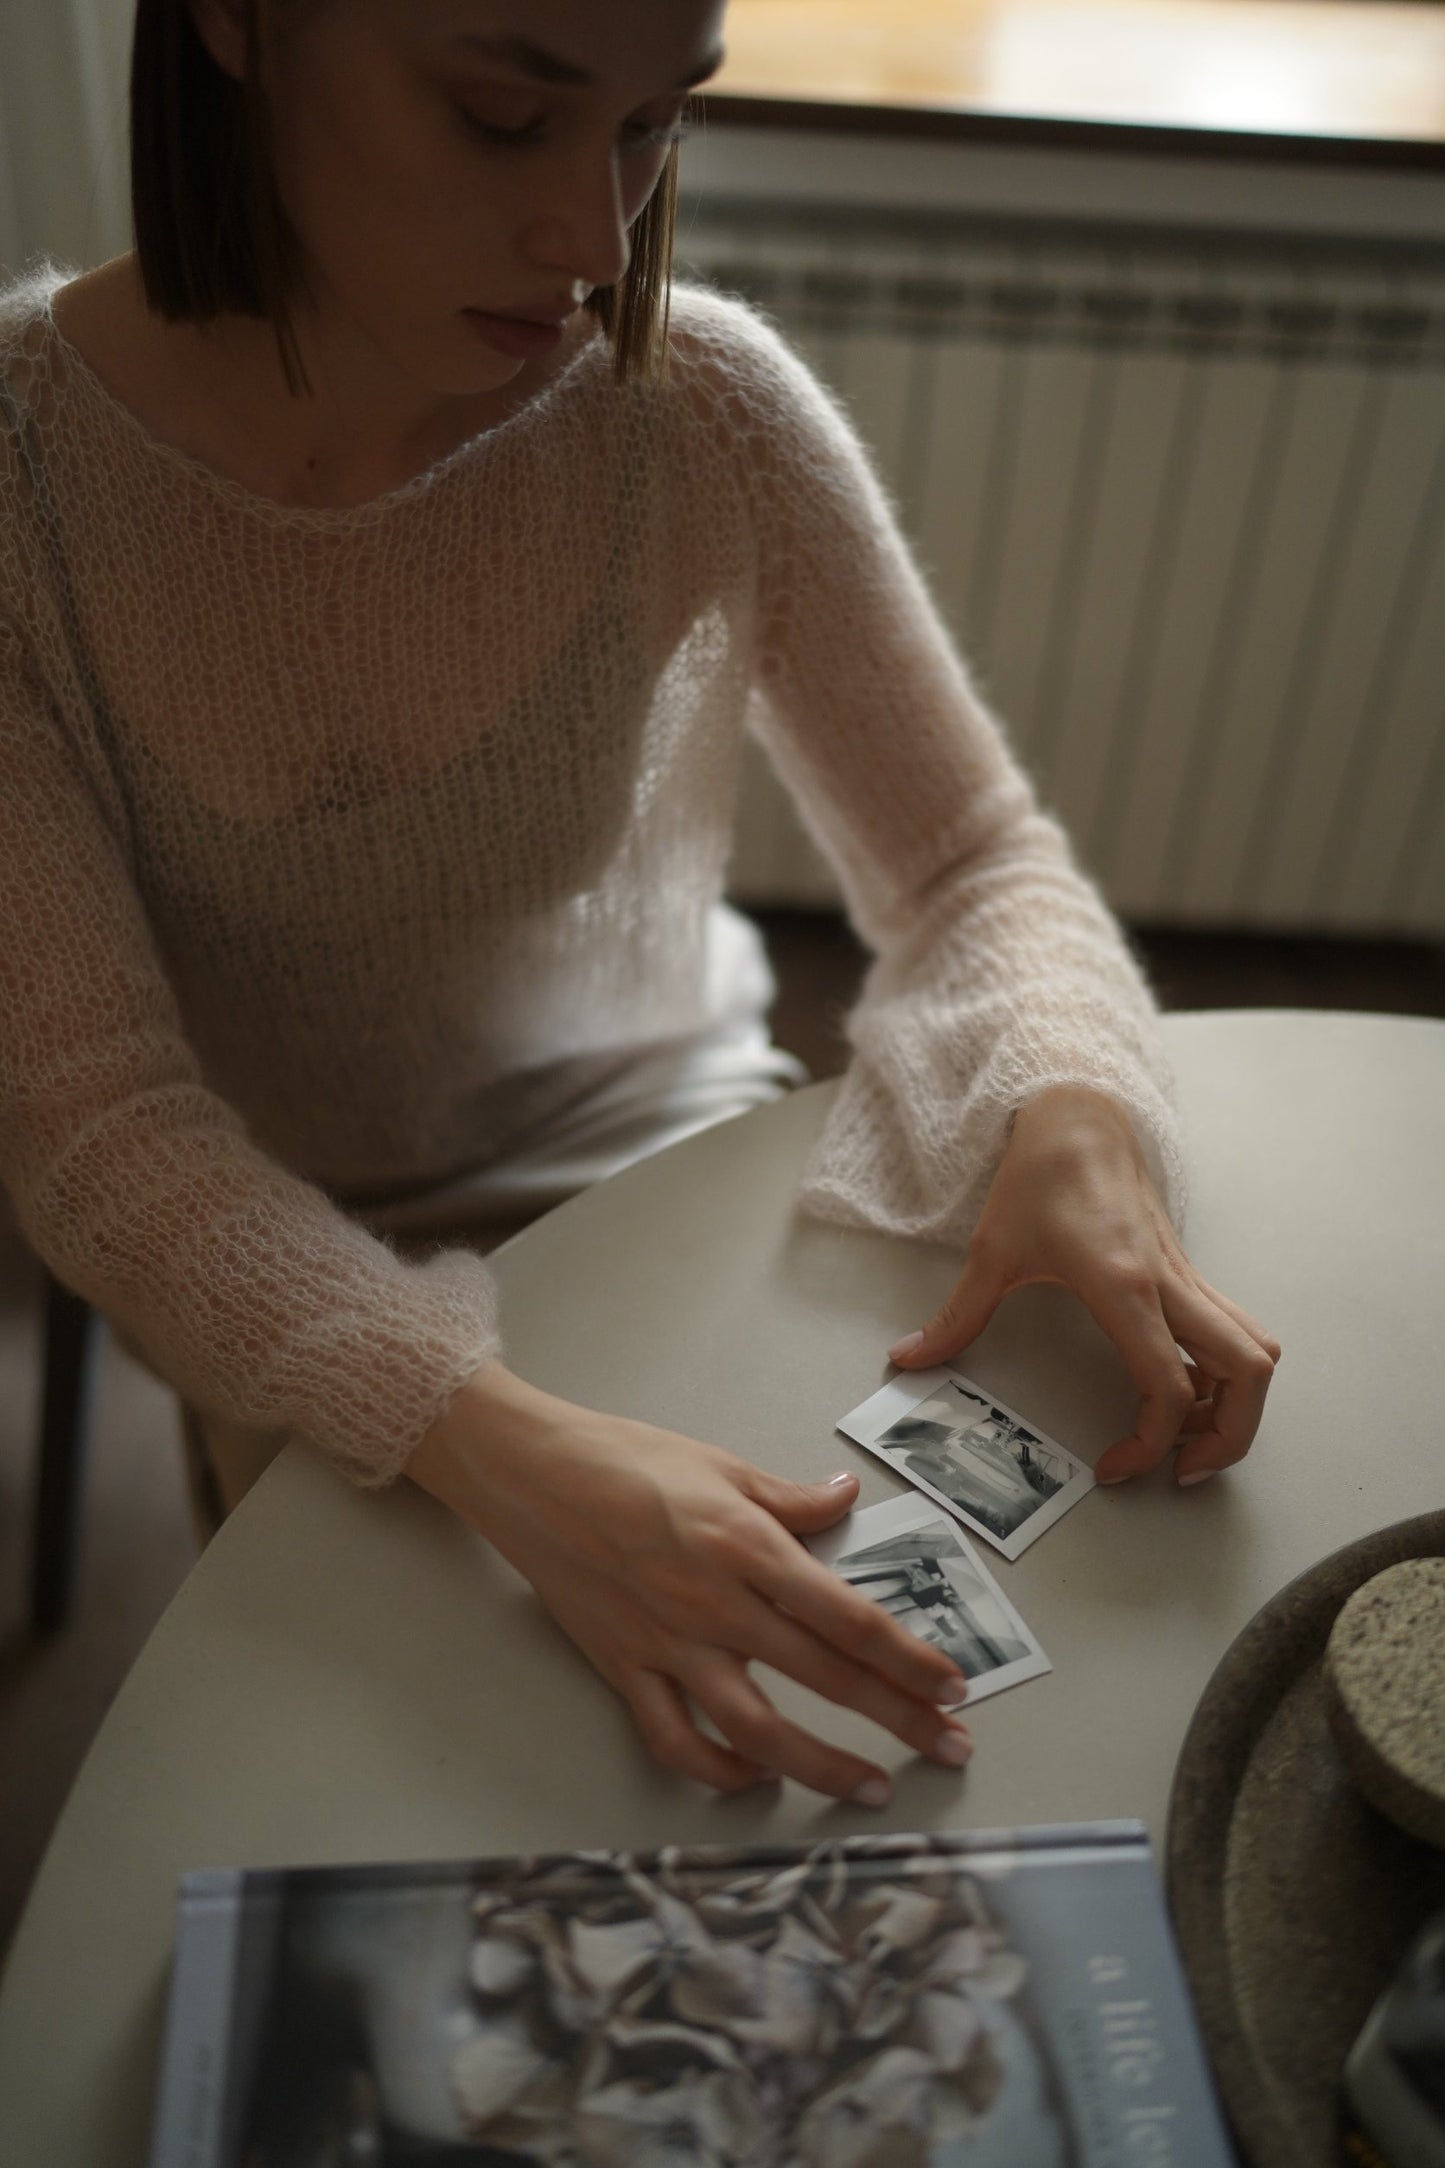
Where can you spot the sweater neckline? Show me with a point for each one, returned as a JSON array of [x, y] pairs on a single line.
[[335, 519]]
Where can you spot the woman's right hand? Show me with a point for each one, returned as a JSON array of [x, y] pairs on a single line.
[[673, 1565]]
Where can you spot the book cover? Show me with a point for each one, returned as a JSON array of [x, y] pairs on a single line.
[[987, 2000]]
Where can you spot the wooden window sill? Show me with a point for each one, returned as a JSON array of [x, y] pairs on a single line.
[[1351, 81]]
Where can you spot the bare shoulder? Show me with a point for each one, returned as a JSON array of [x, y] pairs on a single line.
[[167, 374], [103, 315]]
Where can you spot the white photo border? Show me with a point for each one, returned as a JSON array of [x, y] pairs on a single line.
[[902, 1516], [865, 1425]]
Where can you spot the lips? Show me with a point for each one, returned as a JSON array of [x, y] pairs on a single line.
[[522, 337], [548, 316]]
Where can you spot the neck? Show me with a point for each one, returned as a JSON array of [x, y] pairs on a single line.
[[357, 428], [218, 392]]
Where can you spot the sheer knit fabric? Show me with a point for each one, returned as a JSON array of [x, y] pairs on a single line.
[[341, 850]]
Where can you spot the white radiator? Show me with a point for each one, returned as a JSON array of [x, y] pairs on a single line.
[[1183, 504]]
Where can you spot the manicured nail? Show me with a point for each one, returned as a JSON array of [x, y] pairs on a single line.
[[835, 1482], [952, 1691], [1197, 1475], [873, 1792], [954, 1747], [905, 1346]]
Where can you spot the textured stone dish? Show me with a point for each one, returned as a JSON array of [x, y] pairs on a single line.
[[1384, 1681], [1292, 1899]]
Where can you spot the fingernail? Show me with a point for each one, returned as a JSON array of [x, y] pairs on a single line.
[[835, 1482], [1197, 1475], [954, 1747], [952, 1691], [1109, 1478], [905, 1346], [873, 1792]]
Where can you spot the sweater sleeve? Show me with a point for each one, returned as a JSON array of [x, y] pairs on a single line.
[[243, 1285], [998, 969]]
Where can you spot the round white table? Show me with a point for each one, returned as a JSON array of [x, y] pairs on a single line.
[[352, 1677]]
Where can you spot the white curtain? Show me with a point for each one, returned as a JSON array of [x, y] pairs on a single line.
[[64, 190]]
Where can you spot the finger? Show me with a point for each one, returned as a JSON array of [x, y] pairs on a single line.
[[1201, 1415], [971, 1303], [858, 1629], [722, 1688], [1199, 1419], [791, 1649], [1201, 1384], [673, 1739], [804, 1509], [1242, 1318], [1242, 1370], [1167, 1395]]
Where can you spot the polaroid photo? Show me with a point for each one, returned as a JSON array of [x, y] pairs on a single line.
[[1001, 1477], [910, 1558]]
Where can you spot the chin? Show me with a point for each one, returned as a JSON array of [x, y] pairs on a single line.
[[450, 362], [467, 373], [473, 383]]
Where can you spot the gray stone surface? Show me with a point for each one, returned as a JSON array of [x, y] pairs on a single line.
[[1384, 1680]]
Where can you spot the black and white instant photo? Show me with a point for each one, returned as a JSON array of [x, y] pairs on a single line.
[[910, 1558], [979, 1458]]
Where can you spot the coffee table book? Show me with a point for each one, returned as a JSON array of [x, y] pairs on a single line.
[[964, 2001]]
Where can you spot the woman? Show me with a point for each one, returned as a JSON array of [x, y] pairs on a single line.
[[378, 622]]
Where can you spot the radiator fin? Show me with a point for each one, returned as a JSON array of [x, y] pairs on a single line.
[[1184, 509]]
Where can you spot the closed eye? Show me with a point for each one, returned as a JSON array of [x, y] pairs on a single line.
[[490, 131], [636, 135]]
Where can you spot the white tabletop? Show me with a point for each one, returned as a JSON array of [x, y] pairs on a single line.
[[346, 1677]]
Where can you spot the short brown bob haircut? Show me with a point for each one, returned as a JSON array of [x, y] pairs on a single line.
[[213, 237]]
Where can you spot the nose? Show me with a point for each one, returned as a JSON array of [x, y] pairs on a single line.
[[581, 231]]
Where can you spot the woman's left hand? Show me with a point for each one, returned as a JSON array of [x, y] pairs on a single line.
[[1072, 1204]]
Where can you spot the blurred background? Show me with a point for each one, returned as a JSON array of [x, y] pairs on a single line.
[[1140, 305]]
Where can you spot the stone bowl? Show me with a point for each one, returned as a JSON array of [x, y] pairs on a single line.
[[1293, 1899]]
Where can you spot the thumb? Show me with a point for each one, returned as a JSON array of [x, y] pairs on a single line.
[[960, 1320], [803, 1508]]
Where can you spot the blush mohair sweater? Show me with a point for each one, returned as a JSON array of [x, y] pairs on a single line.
[[338, 847]]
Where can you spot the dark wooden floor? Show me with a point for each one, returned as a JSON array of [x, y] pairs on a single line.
[[819, 965]]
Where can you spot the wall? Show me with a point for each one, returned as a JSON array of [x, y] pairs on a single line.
[[63, 72]]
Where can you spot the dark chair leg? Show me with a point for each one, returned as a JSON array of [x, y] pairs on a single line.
[[72, 1339]]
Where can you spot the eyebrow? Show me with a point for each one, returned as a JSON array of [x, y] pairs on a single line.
[[544, 67]]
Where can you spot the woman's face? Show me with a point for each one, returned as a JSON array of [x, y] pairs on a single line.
[[446, 160]]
